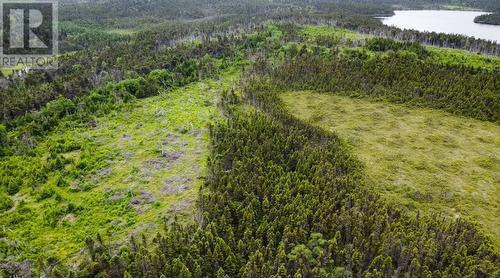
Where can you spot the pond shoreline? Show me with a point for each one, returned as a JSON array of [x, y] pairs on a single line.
[[458, 22]]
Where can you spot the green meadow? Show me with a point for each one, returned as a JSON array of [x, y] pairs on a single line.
[[462, 57], [127, 174], [419, 158]]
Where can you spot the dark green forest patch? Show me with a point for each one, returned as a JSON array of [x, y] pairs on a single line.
[[492, 19]]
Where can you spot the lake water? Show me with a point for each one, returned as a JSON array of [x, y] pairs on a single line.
[[441, 21]]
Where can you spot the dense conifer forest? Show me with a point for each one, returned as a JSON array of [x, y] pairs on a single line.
[[161, 147]]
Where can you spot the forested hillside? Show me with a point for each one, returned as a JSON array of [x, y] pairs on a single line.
[[161, 146]]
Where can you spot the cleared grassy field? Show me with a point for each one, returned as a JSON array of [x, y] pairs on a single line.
[[461, 57], [132, 169], [312, 32], [419, 158]]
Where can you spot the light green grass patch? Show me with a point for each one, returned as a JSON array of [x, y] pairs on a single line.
[[123, 32], [421, 158], [142, 164], [10, 71], [461, 57], [314, 31]]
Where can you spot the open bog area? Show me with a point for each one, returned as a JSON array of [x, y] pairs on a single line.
[[419, 158]]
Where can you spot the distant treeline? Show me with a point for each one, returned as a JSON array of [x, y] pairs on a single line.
[[375, 27], [399, 78], [99, 55], [126, 12], [105, 56], [437, 39], [493, 19], [133, 13], [113, 59]]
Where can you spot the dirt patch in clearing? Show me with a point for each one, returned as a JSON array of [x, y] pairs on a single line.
[[15, 269], [172, 190], [164, 162], [156, 164], [126, 138], [69, 218], [171, 156], [160, 113], [140, 201], [170, 139], [118, 196], [177, 180], [104, 172], [176, 185], [126, 155], [180, 207]]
